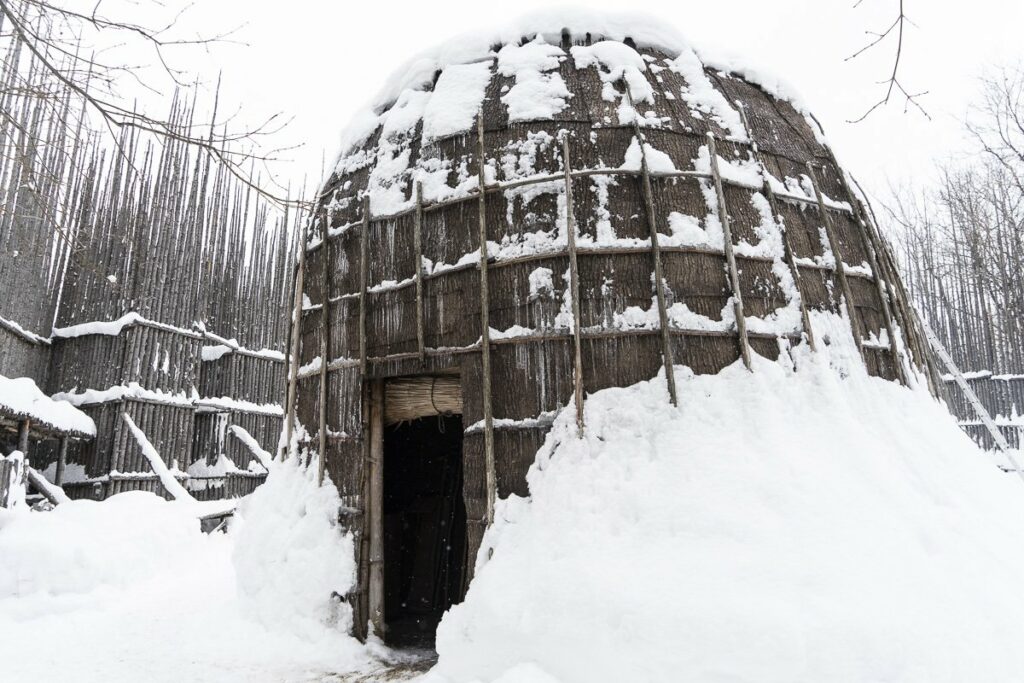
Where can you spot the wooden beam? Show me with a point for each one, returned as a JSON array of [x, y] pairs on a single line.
[[574, 287], [490, 471], [659, 275], [730, 255], [376, 507], [837, 254]]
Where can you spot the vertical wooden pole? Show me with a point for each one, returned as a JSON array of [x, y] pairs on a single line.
[[325, 346], [787, 248], [376, 507], [730, 255], [659, 276], [418, 239], [876, 271], [23, 428], [574, 285], [296, 345], [364, 238], [62, 461], [485, 330], [844, 285]]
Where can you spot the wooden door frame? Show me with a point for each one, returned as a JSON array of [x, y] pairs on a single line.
[[375, 508]]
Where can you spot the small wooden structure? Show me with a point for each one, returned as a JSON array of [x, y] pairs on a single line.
[[23, 433], [554, 262]]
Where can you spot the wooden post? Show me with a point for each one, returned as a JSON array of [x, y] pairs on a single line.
[[659, 277], [363, 285], [376, 507], [418, 239], [296, 345], [574, 285], [844, 285], [325, 346], [23, 428], [876, 271], [485, 331], [62, 461], [787, 248], [730, 255]]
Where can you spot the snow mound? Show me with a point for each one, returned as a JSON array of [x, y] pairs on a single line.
[[22, 397], [131, 590], [794, 523], [291, 554], [83, 546]]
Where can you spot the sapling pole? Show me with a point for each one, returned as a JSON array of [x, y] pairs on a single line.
[[730, 255], [485, 329], [659, 276]]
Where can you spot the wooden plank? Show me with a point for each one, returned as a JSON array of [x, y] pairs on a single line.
[[574, 286], [376, 507], [730, 255], [485, 330], [840, 270]]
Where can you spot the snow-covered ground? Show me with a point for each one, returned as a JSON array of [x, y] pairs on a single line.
[[800, 522], [803, 523], [130, 590]]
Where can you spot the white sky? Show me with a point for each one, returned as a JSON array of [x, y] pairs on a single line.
[[321, 61]]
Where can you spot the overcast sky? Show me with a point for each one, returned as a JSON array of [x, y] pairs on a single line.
[[320, 61]]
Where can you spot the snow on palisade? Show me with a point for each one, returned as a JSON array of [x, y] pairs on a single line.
[[291, 554], [780, 525]]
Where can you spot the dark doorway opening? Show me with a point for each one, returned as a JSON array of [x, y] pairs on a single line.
[[424, 527]]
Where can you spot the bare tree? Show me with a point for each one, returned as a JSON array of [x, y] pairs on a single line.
[[892, 84], [62, 54], [963, 243]]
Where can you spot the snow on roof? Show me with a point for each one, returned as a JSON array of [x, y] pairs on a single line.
[[21, 398], [479, 47]]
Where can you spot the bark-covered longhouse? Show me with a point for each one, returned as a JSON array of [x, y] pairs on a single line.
[[566, 158]]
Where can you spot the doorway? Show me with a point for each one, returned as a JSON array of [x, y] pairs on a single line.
[[422, 524]]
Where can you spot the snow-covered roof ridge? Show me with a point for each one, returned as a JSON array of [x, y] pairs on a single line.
[[20, 397], [643, 30]]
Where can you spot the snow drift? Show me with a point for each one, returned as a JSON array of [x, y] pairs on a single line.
[[291, 554], [800, 523]]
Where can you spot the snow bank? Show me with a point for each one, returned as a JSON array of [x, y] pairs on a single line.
[[795, 523], [291, 554], [130, 590], [22, 397], [82, 546]]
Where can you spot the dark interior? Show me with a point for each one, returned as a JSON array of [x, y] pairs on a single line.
[[424, 527]]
